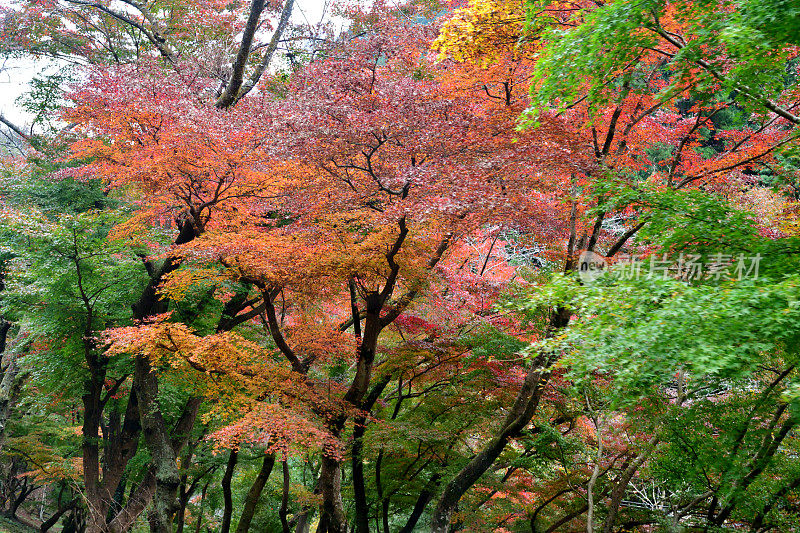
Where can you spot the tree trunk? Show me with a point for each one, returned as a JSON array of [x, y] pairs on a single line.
[[593, 479], [227, 512], [138, 500], [422, 502], [122, 445], [163, 449], [200, 513], [9, 383], [332, 515], [357, 462], [303, 523], [254, 494], [284, 510], [333, 518], [90, 447], [466, 478], [618, 492], [50, 522], [24, 492], [379, 489], [525, 406], [359, 489], [183, 501]]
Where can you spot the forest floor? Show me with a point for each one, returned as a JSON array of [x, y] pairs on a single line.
[[14, 526]]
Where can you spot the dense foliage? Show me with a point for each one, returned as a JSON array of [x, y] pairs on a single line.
[[457, 266]]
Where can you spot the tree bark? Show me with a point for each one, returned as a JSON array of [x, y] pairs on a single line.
[[90, 444], [163, 448], [231, 92], [24, 491], [595, 471], [10, 382], [359, 489], [202, 503], [333, 518], [183, 501], [332, 515], [303, 523], [618, 492], [162, 451], [251, 82], [50, 522]]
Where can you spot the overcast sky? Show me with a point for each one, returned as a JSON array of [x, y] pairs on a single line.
[[16, 75]]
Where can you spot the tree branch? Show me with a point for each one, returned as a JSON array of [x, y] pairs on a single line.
[[273, 45], [231, 92]]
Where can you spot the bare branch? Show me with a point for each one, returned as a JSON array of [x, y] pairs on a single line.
[[273, 45], [13, 127], [231, 92]]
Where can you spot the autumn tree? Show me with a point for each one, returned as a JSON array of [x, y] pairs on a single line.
[[622, 105], [309, 268], [105, 33]]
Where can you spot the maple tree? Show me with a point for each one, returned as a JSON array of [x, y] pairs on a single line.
[[107, 20], [361, 268], [633, 95]]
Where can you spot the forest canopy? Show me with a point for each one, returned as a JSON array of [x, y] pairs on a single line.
[[410, 265]]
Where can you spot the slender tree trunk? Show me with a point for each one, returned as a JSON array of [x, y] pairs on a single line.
[[595, 474], [92, 411], [74, 522], [479, 464], [163, 444], [227, 495], [379, 489], [359, 489], [332, 515], [24, 492], [523, 409], [284, 510], [122, 446], [50, 522], [254, 494], [357, 461], [333, 518], [118, 500], [200, 512], [138, 500], [572, 515], [422, 502], [618, 492], [183, 501], [385, 513]]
